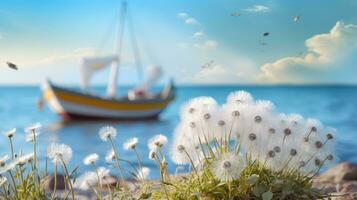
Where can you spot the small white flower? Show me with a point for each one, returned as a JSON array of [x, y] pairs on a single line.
[[3, 160], [107, 132], [228, 167], [90, 179], [110, 156], [10, 133], [22, 160], [59, 152], [86, 181], [239, 97], [33, 128], [91, 159], [143, 173], [130, 144], [8, 167], [157, 141], [3, 180]]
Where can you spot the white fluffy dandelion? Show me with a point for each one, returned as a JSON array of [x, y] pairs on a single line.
[[130, 144], [10, 133], [33, 128], [91, 159], [107, 132], [3, 160], [27, 158], [228, 167], [91, 179], [157, 141], [110, 156], [59, 152]]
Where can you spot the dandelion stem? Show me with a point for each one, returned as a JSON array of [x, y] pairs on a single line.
[[118, 165], [12, 149], [55, 184], [68, 178]]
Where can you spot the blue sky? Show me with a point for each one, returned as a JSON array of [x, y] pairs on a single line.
[[48, 38]]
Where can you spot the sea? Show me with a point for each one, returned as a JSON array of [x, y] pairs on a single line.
[[335, 106]]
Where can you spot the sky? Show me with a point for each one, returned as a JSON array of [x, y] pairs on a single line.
[[195, 42]]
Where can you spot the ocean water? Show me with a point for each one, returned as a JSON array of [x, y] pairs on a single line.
[[335, 106]]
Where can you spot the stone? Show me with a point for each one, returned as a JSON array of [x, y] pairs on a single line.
[[49, 182], [109, 181], [342, 172], [350, 186]]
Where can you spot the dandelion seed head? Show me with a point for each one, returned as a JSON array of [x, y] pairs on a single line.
[[272, 130], [91, 159], [235, 113], [277, 149], [318, 162], [59, 153], [207, 116], [329, 157], [302, 164], [318, 144], [221, 123], [293, 152], [228, 167], [240, 97], [271, 154], [107, 132], [157, 141], [329, 136], [33, 128], [258, 119], [252, 136], [3, 160], [131, 143], [110, 156], [10, 133], [287, 132]]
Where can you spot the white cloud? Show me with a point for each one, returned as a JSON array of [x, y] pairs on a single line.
[[198, 34], [182, 15], [324, 52], [258, 8], [207, 45], [191, 20]]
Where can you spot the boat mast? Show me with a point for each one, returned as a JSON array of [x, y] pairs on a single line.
[[113, 79]]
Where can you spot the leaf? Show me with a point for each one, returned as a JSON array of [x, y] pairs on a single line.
[[267, 195], [253, 179]]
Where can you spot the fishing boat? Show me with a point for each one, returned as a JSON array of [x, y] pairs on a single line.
[[138, 103]]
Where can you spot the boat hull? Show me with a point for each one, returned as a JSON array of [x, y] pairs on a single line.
[[76, 105]]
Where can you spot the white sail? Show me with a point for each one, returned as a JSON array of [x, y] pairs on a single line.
[[92, 64]]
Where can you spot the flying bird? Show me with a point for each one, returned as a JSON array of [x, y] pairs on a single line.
[[266, 34], [296, 18], [12, 65], [208, 65]]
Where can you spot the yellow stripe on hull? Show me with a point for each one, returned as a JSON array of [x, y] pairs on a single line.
[[102, 103]]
